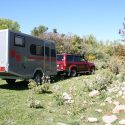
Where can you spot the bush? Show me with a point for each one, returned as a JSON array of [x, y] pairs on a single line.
[[114, 65], [87, 85], [39, 89], [59, 99], [121, 77], [44, 88], [101, 64], [117, 65], [32, 85], [102, 80], [32, 103]]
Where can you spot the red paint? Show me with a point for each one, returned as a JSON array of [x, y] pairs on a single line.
[[41, 58], [35, 58], [18, 57], [12, 53], [53, 58]]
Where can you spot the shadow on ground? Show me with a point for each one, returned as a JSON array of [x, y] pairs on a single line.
[[21, 85], [59, 78]]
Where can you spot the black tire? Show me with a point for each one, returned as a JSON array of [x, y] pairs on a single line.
[[26, 81], [92, 70], [73, 72], [10, 81], [38, 78]]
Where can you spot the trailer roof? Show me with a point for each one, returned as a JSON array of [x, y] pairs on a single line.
[[27, 35]]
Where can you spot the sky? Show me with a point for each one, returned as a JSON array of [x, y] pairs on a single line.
[[101, 18]]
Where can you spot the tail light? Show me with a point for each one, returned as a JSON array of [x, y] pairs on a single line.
[[2, 69]]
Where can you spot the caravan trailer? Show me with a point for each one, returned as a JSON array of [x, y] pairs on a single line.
[[25, 57]]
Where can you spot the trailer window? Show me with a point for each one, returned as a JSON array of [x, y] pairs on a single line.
[[38, 50], [33, 49], [47, 51], [42, 50], [19, 41], [53, 53]]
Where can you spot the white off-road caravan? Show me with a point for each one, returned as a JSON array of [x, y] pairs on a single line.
[[26, 57]]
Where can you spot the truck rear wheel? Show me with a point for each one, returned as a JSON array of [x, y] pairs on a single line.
[[73, 72], [38, 77], [92, 70], [10, 81]]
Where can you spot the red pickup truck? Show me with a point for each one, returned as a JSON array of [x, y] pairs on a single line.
[[71, 65]]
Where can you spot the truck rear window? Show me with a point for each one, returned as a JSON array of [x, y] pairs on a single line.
[[60, 57]]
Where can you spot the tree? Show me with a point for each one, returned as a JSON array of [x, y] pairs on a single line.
[[37, 31], [122, 31], [76, 44], [9, 24], [55, 31]]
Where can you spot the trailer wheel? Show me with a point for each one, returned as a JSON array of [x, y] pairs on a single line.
[[10, 81], [38, 77]]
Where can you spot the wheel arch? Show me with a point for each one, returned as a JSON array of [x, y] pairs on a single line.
[[36, 71], [72, 66]]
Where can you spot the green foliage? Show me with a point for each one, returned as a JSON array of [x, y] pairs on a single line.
[[120, 77], [102, 80], [122, 31], [87, 46], [109, 50], [119, 51], [55, 31], [37, 31], [59, 99], [101, 64], [76, 44], [32, 103], [32, 85], [114, 65], [74, 122], [9, 24], [41, 89]]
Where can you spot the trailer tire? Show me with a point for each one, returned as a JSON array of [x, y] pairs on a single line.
[[10, 81], [38, 77]]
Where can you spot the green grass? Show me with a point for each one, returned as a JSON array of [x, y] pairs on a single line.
[[14, 108]]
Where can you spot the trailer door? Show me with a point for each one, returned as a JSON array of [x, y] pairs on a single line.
[[47, 59]]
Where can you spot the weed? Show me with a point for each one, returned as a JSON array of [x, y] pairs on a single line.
[[32, 103], [59, 99], [102, 81], [41, 89]]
